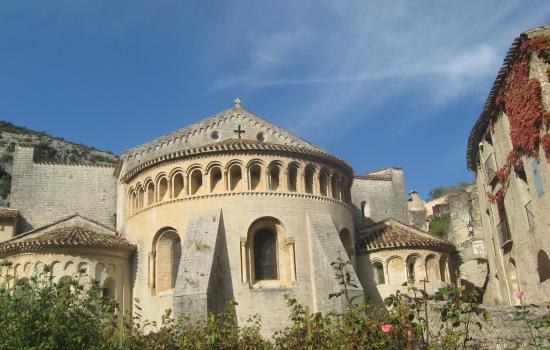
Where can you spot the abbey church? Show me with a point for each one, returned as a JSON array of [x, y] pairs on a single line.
[[231, 207]]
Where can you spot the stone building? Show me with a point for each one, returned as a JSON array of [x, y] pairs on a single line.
[[231, 207], [508, 149]]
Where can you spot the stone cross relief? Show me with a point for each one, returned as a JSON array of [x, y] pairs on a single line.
[[239, 131]]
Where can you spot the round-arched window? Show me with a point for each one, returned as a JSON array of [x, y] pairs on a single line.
[[265, 255]]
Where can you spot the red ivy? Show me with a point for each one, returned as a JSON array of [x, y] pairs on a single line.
[[498, 197], [520, 98], [545, 141]]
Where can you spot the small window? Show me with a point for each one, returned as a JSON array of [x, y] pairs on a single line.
[[265, 255], [177, 184], [378, 273], [308, 180], [255, 177], [196, 182], [292, 178], [543, 266]]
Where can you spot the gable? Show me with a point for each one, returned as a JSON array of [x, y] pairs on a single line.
[[233, 123], [70, 221]]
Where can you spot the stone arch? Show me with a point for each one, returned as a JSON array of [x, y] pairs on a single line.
[[83, 268], [150, 191], [131, 199], [100, 272], [543, 266], [347, 242], [443, 269], [292, 177], [166, 259], [38, 267], [397, 272], [140, 196], [275, 172], [215, 176], [334, 186], [378, 272], [109, 288], [432, 268], [57, 269], [177, 182], [309, 175], [415, 267], [323, 182], [27, 269], [235, 176], [195, 180], [162, 187], [255, 175], [270, 252]]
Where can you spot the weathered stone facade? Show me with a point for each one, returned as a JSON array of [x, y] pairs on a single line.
[[514, 209], [45, 192]]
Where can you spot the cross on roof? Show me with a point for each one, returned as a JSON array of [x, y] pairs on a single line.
[[237, 103], [239, 131]]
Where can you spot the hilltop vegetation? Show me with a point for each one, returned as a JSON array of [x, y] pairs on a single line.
[[48, 148]]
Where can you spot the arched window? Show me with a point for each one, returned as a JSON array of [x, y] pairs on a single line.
[[415, 268], [150, 193], [177, 184], [443, 272], [543, 266], [293, 178], [363, 204], [396, 271], [235, 178], [255, 173], [162, 188], [167, 254], [378, 271], [432, 270], [334, 186], [109, 288], [265, 255], [141, 198], [323, 183], [274, 173], [308, 179], [195, 182], [345, 238], [216, 179], [268, 254]]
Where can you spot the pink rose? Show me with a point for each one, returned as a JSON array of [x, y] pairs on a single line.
[[410, 333], [386, 328], [520, 294]]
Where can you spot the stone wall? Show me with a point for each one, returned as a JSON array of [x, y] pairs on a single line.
[[44, 192], [499, 327], [383, 192]]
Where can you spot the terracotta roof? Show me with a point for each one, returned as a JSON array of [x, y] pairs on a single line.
[[393, 234], [7, 213], [482, 122], [66, 237], [236, 145]]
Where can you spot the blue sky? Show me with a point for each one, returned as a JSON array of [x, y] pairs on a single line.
[[375, 82]]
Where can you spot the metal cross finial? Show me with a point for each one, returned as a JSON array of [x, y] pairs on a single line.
[[239, 131], [237, 103]]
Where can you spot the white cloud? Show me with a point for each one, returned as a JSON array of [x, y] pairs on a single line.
[[369, 52]]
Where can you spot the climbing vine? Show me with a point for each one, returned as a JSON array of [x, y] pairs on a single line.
[[520, 98]]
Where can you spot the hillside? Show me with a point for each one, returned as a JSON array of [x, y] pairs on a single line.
[[47, 148]]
